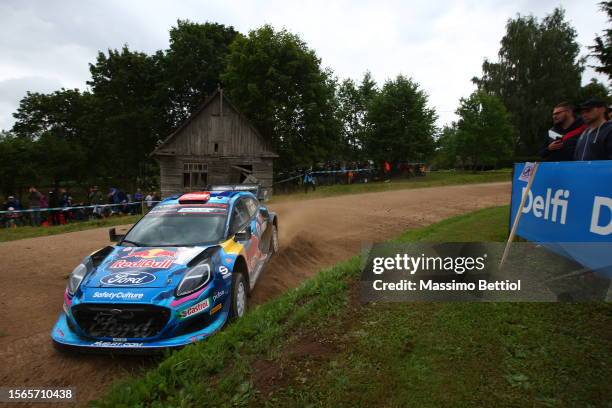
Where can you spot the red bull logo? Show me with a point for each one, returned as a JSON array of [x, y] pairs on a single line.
[[143, 263], [149, 258], [153, 253]]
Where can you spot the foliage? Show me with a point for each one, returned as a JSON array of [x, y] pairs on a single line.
[[602, 49], [129, 114], [538, 66], [446, 149], [353, 105], [594, 89], [402, 124], [278, 83], [484, 134], [193, 64]]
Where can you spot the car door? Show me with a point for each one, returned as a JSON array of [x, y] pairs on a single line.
[[243, 219]]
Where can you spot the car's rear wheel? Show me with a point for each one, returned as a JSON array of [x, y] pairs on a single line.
[[239, 296]]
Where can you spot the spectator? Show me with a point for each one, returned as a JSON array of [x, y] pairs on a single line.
[[149, 201], [562, 137], [308, 181], [64, 200], [35, 199], [96, 199], [595, 143], [53, 204], [11, 219]]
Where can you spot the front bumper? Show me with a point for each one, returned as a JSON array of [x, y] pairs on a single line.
[[63, 335]]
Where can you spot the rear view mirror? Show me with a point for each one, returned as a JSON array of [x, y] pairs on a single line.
[[113, 236], [243, 235], [264, 213]]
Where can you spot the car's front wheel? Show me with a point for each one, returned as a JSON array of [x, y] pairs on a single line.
[[239, 296], [274, 244]]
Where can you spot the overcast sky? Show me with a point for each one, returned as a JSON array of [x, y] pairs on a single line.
[[46, 45]]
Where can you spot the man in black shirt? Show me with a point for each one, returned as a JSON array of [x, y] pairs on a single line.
[[562, 137], [595, 143]]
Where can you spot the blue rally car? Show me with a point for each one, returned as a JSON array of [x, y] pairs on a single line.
[[176, 277]]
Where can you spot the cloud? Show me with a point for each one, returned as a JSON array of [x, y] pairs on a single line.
[[48, 45], [12, 90]]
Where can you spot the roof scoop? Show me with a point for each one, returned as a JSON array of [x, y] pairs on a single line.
[[200, 197]]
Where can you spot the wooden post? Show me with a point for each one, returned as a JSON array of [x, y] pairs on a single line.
[[517, 217]]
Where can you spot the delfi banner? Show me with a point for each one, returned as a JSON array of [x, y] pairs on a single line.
[[569, 208]]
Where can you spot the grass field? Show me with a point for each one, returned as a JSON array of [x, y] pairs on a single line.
[[12, 234], [318, 346], [435, 178]]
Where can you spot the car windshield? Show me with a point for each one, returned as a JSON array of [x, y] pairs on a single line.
[[179, 225]]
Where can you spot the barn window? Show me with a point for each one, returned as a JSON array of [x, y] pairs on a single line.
[[195, 175]]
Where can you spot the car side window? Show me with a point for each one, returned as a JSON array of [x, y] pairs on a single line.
[[240, 217], [251, 206]]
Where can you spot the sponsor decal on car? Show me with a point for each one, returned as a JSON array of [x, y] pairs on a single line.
[[195, 309], [216, 308], [60, 332], [224, 271], [149, 258], [116, 344], [218, 295], [202, 210], [153, 253], [143, 263], [118, 295], [127, 278]]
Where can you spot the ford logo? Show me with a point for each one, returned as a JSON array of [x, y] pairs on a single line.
[[127, 278]]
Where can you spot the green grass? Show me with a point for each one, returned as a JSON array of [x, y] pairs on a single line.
[[318, 346], [433, 179], [12, 234]]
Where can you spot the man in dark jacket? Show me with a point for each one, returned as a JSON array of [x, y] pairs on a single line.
[[595, 143], [562, 137]]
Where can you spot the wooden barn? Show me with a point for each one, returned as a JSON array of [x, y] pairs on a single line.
[[216, 145]]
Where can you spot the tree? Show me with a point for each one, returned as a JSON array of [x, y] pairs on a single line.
[[193, 65], [278, 83], [484, 133], [58, 127], [538, 67], [402, 124], [594, 89], [17, 164], [446, 147], [602, 50], [353, 105], [130, 115]]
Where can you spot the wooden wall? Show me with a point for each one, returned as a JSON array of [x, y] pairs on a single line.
[[237, 143]]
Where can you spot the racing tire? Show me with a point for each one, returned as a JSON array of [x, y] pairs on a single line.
[[239, 296], [274, 240]]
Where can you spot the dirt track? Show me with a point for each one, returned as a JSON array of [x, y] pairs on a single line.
[[314, 234]]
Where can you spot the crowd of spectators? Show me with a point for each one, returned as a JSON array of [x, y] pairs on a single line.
[[58, 207], [580, 134]]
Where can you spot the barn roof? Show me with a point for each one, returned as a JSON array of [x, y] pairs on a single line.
[[199, 109]]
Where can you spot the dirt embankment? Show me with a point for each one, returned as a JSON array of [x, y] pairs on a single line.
[[314, 234]]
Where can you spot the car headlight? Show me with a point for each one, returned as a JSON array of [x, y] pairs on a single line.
[[76, 277], [194, 279]]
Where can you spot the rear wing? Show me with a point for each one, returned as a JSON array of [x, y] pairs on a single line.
[[259, 192]]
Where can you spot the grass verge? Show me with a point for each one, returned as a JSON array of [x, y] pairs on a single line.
[[318, 346], [12, 234], [433, 179]]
